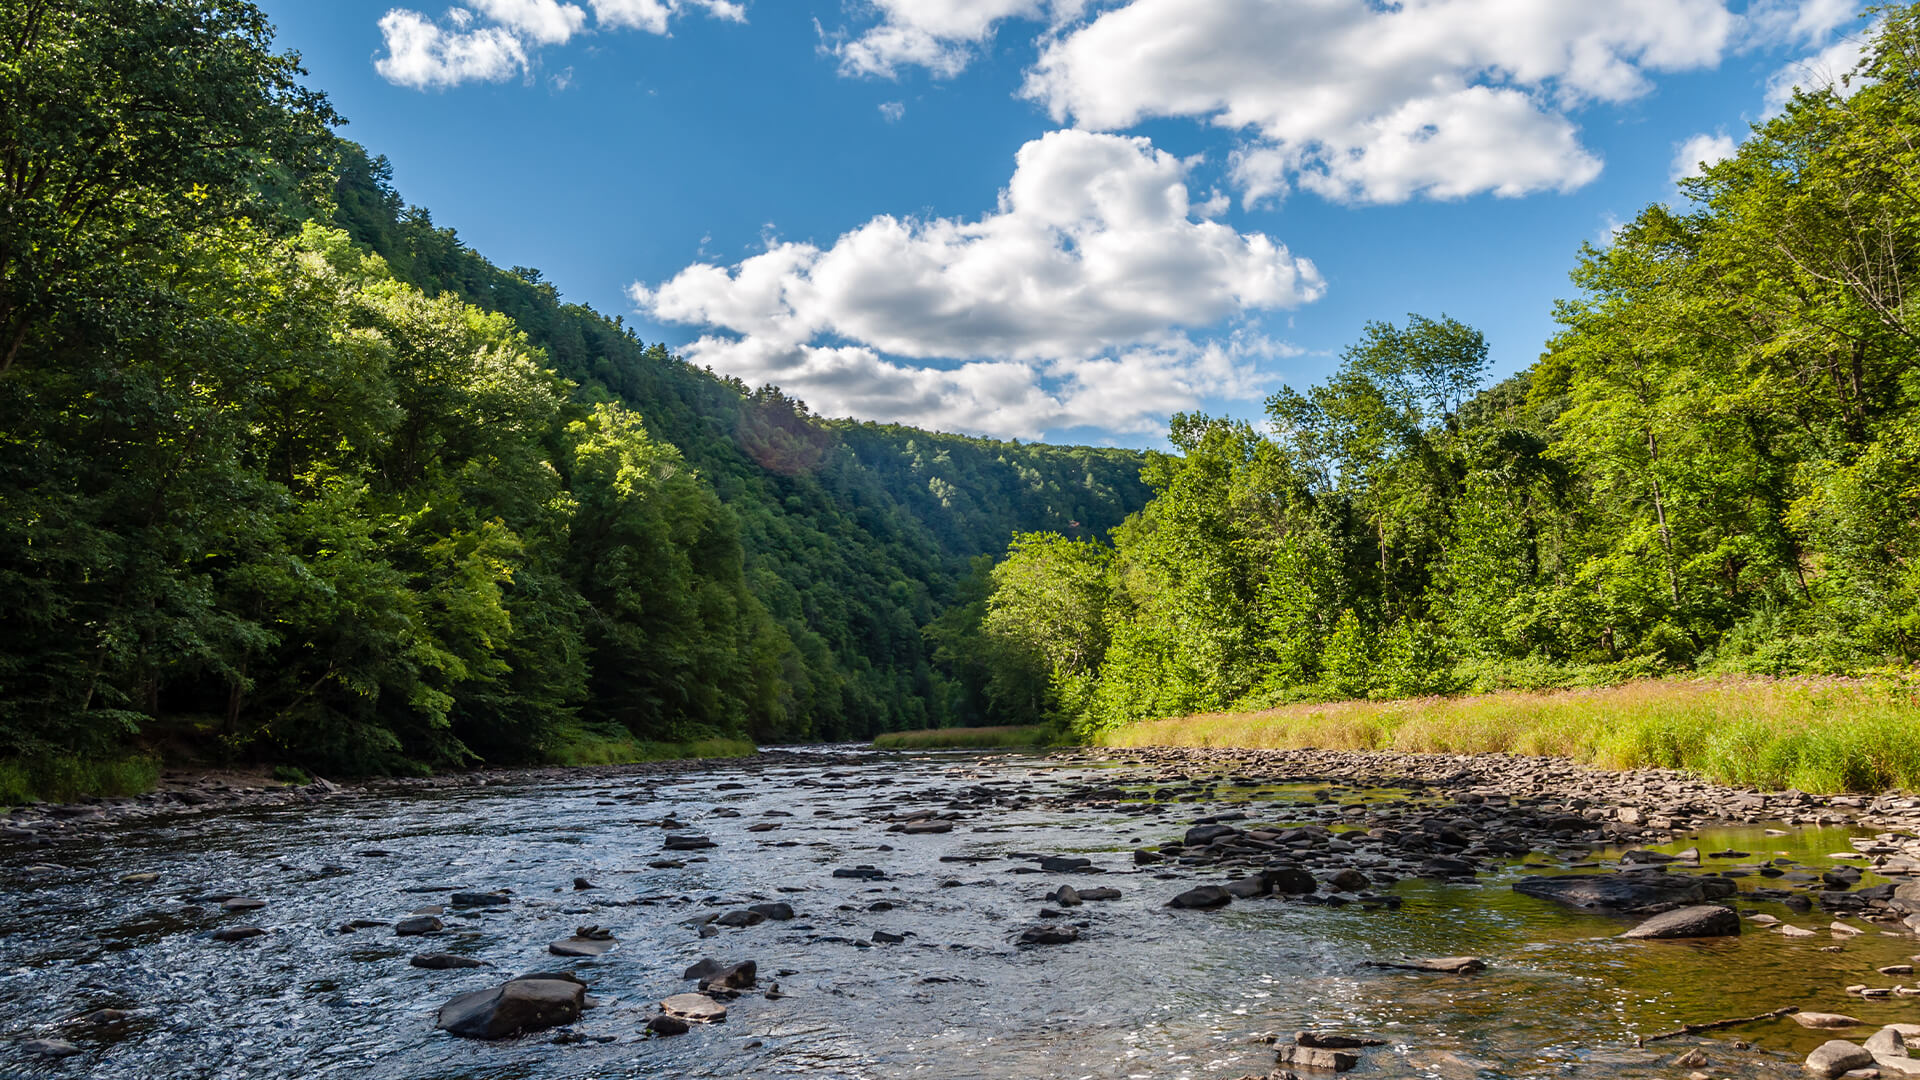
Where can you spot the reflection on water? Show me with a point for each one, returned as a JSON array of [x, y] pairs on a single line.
[[1146, 992]]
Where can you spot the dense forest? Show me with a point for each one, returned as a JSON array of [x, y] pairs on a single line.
[[1715, 467], [289, 474]]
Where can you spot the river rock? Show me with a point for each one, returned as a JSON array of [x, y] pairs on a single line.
[[929, 825], [237, 933], [417, 925], [743, 917], [1065, 896], [1824, 1020], [49, 1048], [1623, 891], [1065, 864], [1887, 1042], [778, 912], [1837, 1056], [1696, 921], [1313, 1057], [1349, 880], [664, 1025], [1290, 881], [688, 843], [242, 903], [1330, 1041], [694, 1009], [1049, 934], [440, 961], [1202, 835], [586, 941], [1204, 897], [740, 976], [1441, 965], [480, 899], [521, 1005]]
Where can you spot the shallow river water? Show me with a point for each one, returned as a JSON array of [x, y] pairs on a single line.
[[1146, 992]]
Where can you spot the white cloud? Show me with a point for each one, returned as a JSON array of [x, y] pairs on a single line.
[[1701, 149], [424, 55], [543, 22], [939, 35], [655, 16], [1814, 73], [1082, 280], [1801, 22], [1132, 391], [893, 111], [1365, 102]]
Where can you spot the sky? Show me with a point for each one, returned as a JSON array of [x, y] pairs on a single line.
[[1053, 219]]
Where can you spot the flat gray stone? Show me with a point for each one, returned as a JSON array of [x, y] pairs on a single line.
[[1696, 921]]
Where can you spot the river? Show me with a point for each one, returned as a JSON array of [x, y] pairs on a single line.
[[1146, 992]]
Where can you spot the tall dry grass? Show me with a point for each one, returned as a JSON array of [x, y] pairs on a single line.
[[972, 738], [1819, 735]]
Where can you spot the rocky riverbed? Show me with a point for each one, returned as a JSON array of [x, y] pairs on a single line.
[[842, 912]]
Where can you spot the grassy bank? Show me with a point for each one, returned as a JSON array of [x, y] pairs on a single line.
[[595, 746], [1818, 735], [64, 779], [970, 738]]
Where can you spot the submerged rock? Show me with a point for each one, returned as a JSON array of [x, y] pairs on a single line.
[[1625, 891], [1313, 1057], [586, 941], [694, 1009], [527, 1004], [1049, 934], [441, 961], [1696, 921], [418, 925]]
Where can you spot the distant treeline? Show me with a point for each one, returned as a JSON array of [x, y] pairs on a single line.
[[1715, 466], [288, 473]]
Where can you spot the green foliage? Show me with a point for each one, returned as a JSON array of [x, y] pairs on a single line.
[[289, 473], [1715, 467]]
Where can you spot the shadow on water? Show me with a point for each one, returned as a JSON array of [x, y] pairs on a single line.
[[1147, 992]]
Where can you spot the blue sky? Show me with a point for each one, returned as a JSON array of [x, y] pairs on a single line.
[[1059, 219]]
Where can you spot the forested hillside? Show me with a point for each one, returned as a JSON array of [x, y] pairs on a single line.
[[1715, 466], [287, 473]]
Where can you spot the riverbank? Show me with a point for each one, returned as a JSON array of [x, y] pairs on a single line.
[[68, 779], [968, 738], [1817, 735]]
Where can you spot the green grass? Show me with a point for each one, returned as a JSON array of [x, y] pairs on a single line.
[[582, 745], [63, 779], [1818, 735], [972, 738]]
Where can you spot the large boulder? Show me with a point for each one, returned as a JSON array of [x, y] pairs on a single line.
[[1830, 1059], [1624, 892], [512, 1008], [1695, 921], [1202, 898]]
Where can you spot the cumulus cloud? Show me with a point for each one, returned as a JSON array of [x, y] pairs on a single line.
[[490, 40], [892, 111], [1702, 149], [1085, 277], [655, 16], [425, 55], [939, 35], [1365, 102]]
